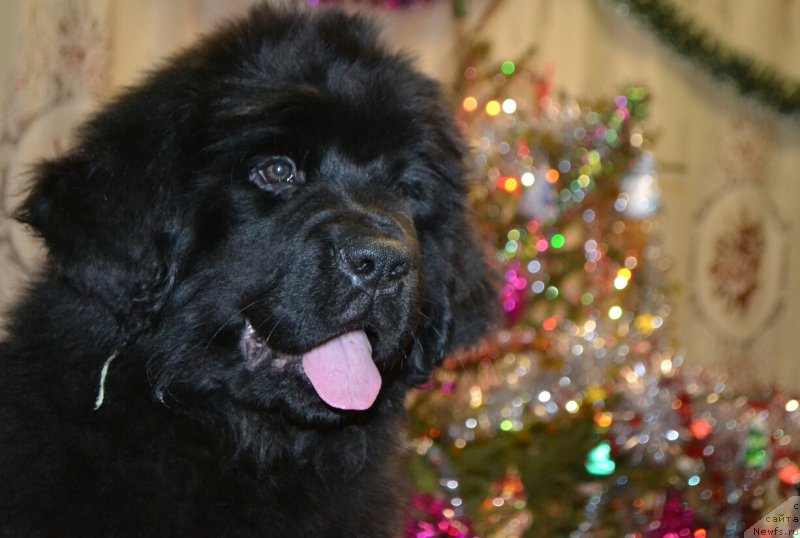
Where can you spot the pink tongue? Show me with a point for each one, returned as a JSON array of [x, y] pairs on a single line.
[[342, 372]]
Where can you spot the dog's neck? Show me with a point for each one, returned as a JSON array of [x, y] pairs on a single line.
[[271, 444]]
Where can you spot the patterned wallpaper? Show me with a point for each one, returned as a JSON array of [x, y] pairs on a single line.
[[59, 73]]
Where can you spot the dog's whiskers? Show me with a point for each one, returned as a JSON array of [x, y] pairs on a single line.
[[283, 318]]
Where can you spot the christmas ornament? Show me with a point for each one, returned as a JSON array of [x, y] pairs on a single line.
[[640, 197], [599, 462], [755, 455]]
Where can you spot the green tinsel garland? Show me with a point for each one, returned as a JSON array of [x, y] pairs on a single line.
[[679, 32]]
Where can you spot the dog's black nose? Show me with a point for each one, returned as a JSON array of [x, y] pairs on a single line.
[[374, 264]]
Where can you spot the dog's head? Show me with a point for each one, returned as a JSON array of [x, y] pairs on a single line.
[[276, 217]]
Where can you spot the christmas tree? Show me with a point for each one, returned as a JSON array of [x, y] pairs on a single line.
[[578, 418]]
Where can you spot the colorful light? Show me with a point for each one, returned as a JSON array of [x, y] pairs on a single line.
[[551, 293], [509, 106], [615, 312], [604, 420], [493, 108], [557, 241], [790, 474], [508, 68], [552, 175], [755, 455], [509, 184], [470, 104], [528, 179], [700, 428], [595, 393], [645, 324], [599, 462], [549, 324]]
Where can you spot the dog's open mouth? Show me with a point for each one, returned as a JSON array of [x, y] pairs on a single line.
[[341, 370]]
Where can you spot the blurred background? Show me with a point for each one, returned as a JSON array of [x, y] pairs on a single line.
[[636, 169]]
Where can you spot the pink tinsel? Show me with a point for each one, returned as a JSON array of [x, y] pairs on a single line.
[[433, 517]]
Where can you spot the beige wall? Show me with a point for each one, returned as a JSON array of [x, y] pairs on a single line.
[[721, 155]]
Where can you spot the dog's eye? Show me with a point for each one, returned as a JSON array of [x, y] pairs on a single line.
[[274, 170]]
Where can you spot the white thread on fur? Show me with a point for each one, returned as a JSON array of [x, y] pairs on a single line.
[[101, 388]]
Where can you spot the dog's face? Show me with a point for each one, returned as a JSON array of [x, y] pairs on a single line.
[[276, 219]]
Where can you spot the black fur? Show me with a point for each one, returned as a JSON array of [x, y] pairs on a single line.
[[165, 239]]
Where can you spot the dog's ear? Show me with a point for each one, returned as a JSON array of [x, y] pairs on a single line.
[[473, 304], [58, 205], [464, 307], [76, 206]]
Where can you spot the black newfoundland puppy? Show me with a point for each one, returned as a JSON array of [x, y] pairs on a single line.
[[252, 256]]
